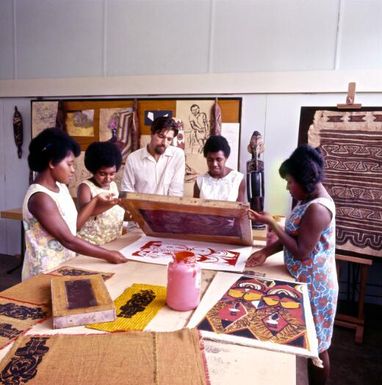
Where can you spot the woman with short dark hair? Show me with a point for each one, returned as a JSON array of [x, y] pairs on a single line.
[[309, 246], [220, 182], [99, 194], [49, 214]]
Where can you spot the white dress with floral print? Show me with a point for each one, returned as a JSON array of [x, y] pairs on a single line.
[[42, 251], [106, 226]]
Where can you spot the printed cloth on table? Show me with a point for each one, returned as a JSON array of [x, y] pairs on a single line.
[[17, 317], [136, 358], [135, 308], [35, 290]]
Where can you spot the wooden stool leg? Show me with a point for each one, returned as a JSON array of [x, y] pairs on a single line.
[[361, 303], [349, 321]]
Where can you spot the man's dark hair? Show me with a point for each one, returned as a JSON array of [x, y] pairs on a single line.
[[164, 123]]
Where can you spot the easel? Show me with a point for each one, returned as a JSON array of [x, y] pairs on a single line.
[[349, 105], [348, 321], [354, 322]]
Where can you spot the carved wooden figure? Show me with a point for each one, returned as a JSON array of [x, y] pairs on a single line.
[[255, 174]]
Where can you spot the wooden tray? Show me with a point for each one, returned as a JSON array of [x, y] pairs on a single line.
[[80, 300]]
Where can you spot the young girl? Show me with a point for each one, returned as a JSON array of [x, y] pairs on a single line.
[[220, 182], [103, 160]]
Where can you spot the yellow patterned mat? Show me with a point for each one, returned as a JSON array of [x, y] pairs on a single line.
[[135, 308]]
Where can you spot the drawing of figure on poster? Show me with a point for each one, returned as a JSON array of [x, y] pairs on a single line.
[[196, 118], [200, 128]]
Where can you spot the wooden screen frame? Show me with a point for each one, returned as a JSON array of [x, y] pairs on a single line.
[[134, 202]]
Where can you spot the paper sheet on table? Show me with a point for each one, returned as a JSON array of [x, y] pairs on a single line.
[[211, 256], [259, 312]]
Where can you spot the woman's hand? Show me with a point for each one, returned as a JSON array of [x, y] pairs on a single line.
[[262, 217], [256, 259], [107, 198], [271, 237], [115, 257]]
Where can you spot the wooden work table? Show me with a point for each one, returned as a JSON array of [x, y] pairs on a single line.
[[227, 363], [15, 214]]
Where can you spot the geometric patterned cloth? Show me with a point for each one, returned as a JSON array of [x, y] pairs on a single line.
[[351, 143]]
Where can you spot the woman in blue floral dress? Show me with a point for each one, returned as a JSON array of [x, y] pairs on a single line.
[[309, 246]]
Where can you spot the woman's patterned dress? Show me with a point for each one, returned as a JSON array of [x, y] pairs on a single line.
[[318, 270]]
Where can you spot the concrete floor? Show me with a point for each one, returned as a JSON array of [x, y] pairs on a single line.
[[351, 364]]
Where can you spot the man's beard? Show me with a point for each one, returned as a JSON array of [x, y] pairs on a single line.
[[159, 150]]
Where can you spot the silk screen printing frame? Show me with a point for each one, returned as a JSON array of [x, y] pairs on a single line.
[[190, 218]]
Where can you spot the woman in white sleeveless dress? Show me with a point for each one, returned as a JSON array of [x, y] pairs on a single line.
[[49, 214], [220, 182]]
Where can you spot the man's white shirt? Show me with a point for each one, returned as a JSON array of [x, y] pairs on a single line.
[[143, 174]]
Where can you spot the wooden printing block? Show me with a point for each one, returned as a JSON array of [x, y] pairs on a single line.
[[80, 300]]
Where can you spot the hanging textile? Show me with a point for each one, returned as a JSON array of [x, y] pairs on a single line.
[[60, 117], [350, 142], [134, 127], [216, 121]]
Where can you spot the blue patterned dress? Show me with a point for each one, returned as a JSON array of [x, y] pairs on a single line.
[[318, 270]]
